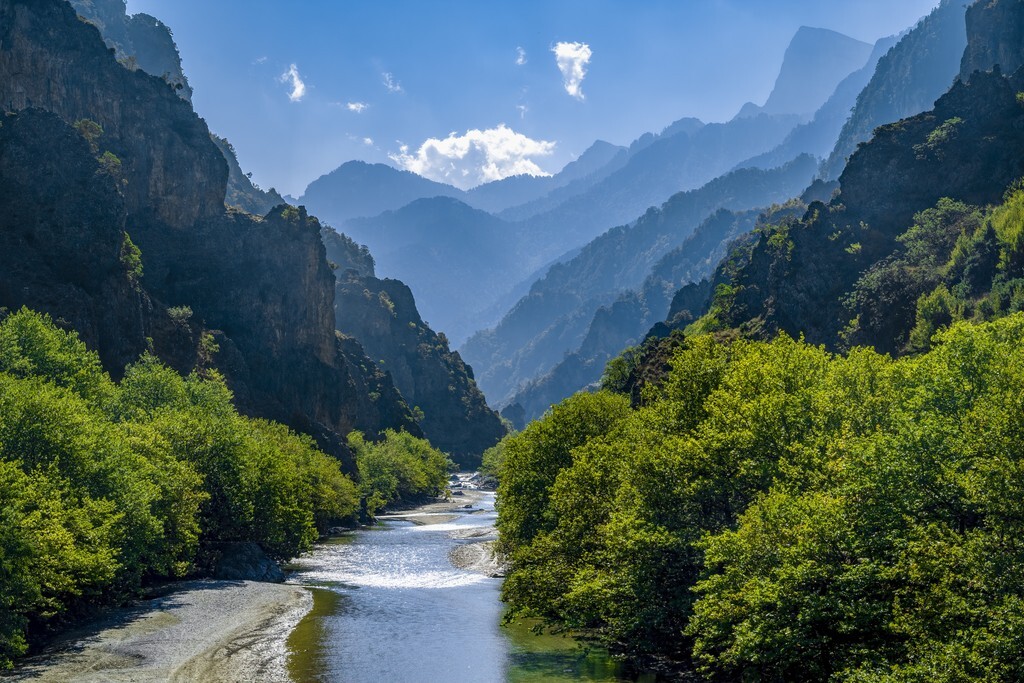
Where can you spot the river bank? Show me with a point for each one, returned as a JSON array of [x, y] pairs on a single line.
[[213, 631], [210, 631]]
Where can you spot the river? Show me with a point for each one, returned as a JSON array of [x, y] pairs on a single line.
[[391, 606]]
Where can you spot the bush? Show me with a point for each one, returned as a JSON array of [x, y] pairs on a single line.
[[105, 487]]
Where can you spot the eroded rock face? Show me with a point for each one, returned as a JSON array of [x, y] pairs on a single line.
[[261, 285], [382, 315], [51, 60], [967, 148], [61, 234], [995, 37]]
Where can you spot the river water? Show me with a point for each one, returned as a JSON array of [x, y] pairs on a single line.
[[391, 606]]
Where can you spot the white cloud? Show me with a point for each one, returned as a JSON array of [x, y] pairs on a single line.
[[357, 107], [368, 142], [479, 156], [298, 87], [390, 83], [520, 56], [260, 60], [522, 110], [572, 60]]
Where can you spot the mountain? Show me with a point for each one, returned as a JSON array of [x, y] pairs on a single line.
[[126, 239], [819, 135], [815, 61], [681, 158], [995, 37], [553, 318], [911, 242], [452, 412], [139, 41], [456, 258], [241, 193], [677, 290], [357, 189], [907, 80], [500, 195]]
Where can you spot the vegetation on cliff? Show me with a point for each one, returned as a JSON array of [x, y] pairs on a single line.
[[107, 486]]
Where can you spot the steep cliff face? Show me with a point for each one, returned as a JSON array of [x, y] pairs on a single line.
[[61, 234], [906, 81], [797, 277], [50, 60], [241, 193], [139, 41], [382, 315], [263, 284], [995, 37]]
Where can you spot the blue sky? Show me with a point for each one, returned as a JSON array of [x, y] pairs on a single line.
[[416, 70]]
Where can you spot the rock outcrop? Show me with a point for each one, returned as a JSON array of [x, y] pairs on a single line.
[[382, 315], [995, 37], [261, 286]]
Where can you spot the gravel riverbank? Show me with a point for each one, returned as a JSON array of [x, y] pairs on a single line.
[[220, 631], [209, 631]]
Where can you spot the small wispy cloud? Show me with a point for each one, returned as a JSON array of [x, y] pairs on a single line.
[[368, 142], [520, 56], [390, 83], [478, 156], [572, 60], [357, 107], [522, 109], [298, 86], [260, 60]]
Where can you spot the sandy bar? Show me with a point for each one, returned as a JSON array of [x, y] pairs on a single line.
[[203, 631]]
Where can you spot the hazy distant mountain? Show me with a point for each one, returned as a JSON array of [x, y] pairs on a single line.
[[357, 189], [682, 158], [815, 62], [554, 317], [819, 135], [907, 81], [523, 189], [455, 258]]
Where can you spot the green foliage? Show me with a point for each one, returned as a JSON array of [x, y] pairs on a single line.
[[938, 139], [131, 259], [619, 369], [776, 513], [110, 164], [91, 131], [535, 456], [400, 467], [106, 486], [494, 459]]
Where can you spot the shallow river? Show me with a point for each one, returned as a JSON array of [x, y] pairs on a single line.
[[390, 606]]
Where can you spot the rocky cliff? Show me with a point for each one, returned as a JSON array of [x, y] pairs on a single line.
[[263, 284], [799, 276], [995, 36], [906, 81], [382, 315]]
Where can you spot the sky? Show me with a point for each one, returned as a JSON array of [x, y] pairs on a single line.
[[468, 91]]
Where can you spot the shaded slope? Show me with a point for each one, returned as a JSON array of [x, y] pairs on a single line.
[[907, 80]]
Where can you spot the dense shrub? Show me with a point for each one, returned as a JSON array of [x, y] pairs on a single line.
[[774, 512], [399, 467], [106, 486]]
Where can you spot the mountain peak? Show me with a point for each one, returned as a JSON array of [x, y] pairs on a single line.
[[816, 60]]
